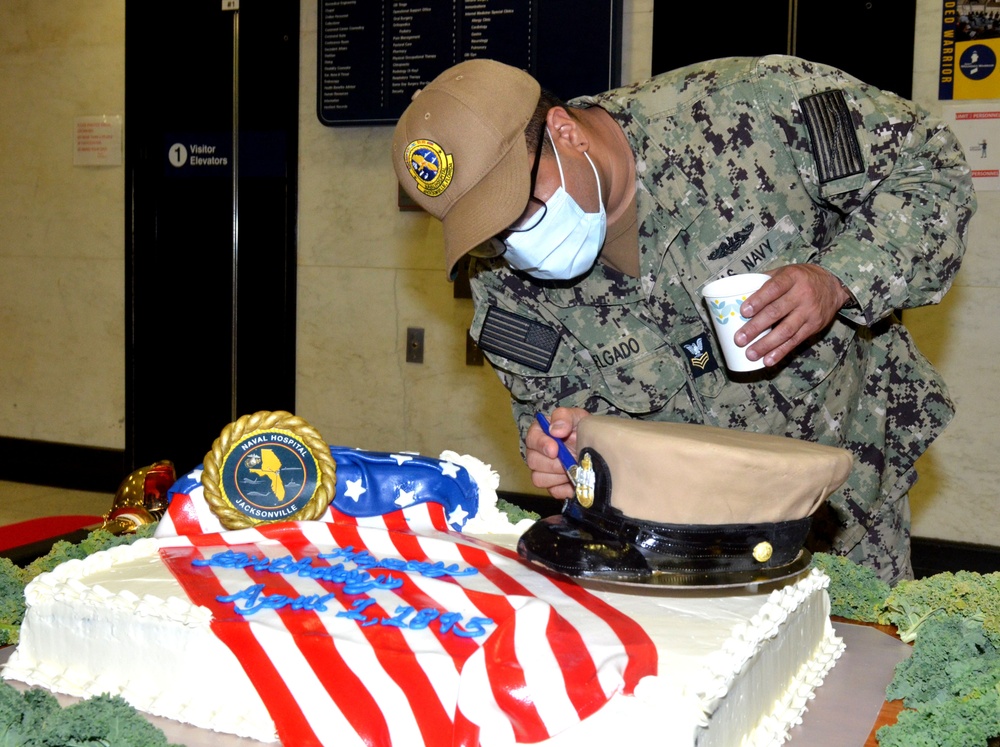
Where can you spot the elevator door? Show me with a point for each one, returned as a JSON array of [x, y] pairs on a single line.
[[211, 119]]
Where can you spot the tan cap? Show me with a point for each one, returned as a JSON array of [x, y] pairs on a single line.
[[675, 503], [681, 473], [459, 151]]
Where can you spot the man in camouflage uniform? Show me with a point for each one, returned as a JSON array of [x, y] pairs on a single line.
[[855, 201]]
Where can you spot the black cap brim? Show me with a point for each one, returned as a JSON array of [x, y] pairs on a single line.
[[604, 544]]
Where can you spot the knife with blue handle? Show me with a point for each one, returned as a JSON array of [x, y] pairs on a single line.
[[565, 456]]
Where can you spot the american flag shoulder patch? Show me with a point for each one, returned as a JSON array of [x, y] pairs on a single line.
[[834, 139], [519, 338]]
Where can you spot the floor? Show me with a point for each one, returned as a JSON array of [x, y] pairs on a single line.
[[20, 501]]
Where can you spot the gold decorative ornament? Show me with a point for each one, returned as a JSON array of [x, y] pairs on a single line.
[[140, 499], [268, 467], [762, 552]]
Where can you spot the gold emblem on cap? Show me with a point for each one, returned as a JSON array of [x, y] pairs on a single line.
[[278, 431], [431, 168], [583, 477], [762, 552]]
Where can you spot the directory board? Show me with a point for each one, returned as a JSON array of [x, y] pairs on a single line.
[[374, 54]]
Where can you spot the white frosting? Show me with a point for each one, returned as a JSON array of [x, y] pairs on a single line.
[[489, 520], [733, 669], [124, 626]]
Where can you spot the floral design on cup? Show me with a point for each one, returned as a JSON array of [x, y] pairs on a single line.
[[725, 310], [724, 298]]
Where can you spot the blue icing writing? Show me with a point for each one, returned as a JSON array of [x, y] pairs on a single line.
[[364, 559], [354, 580], [424, 568], [409, 617], [255, 601]]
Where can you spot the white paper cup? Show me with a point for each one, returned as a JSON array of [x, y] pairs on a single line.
[[724, 298]]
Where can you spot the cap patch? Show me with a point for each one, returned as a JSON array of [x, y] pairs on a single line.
[[431, 168]]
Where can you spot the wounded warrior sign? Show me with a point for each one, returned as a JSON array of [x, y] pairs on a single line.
[[970, 46]]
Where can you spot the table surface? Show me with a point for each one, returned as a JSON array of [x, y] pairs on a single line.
[[886, 717]]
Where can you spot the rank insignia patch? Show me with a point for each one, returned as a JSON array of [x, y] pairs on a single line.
[[699, 355]]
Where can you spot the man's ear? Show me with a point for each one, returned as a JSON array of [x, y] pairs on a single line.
[[564, 126]]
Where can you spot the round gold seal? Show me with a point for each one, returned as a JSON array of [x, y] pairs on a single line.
[[268, 467], [431, 168]]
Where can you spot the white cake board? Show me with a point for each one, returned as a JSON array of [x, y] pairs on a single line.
[[842, 712]]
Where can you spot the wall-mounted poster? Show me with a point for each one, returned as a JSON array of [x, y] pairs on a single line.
[[978, 129], [970, 46]]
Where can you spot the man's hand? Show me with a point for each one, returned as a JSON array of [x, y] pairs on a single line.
[[798, 301], [542, 452]]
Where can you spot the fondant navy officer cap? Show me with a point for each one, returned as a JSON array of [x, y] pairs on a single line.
[[677, 498]]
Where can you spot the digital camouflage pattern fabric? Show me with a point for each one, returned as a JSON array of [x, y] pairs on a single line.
[[747, 165]]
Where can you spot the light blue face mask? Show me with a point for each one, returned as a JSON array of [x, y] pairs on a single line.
[[566, 241]]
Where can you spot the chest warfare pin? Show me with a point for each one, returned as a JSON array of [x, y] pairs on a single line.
[[430, 166], [268, 467]]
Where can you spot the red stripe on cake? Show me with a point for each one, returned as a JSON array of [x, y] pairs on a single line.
[[439, 519], [466, 732], [184, 515], [202, 588], [344, 687], [395, 521], [293, 727], [509, 686], [388, 643], [582, 684], [339, 517], [642, 659]]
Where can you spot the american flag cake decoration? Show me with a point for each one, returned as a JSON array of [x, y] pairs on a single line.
[[390, 619]]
